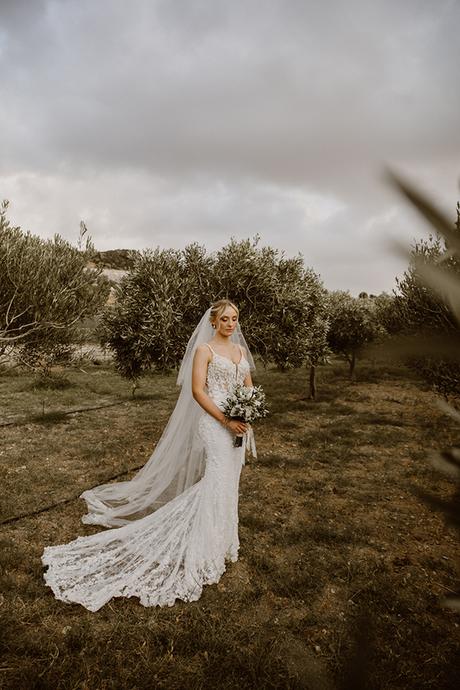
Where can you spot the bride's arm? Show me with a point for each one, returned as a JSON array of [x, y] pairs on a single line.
[[201, 360], [247, 379]]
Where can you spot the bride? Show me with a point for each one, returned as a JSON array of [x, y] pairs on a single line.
[[175, 524]]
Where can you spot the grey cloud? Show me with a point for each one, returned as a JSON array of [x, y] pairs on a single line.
[[172, 120]]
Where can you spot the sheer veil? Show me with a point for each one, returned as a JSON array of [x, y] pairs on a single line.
[[177, 461]]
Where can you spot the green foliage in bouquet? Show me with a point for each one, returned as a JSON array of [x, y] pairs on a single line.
[[246, 403]]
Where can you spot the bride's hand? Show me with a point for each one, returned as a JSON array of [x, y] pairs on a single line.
[[237, 427]]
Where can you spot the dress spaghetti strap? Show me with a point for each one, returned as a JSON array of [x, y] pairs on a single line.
[[210, 348]]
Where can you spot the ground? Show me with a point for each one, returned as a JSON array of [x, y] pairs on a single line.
[[340, 559]]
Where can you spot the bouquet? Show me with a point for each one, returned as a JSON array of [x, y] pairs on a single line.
[[245, 403]]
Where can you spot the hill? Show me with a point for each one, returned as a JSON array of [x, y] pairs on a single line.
[[121, 259]]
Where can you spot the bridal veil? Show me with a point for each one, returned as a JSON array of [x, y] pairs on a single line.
[[177, 461]]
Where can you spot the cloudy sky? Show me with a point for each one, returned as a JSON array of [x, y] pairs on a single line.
[[163, 122]]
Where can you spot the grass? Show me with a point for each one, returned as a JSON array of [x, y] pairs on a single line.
[[330, 527]]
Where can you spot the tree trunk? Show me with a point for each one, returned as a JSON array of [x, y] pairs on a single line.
[[312, 382], [352, 365]]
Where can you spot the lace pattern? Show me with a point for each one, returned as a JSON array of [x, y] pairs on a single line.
[[223, 374]]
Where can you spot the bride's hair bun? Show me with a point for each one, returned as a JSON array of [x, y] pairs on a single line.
[[218, 308]]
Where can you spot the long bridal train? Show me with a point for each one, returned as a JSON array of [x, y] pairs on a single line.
[[173, 552]]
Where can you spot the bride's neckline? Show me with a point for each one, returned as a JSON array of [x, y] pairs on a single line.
[[224, 357]]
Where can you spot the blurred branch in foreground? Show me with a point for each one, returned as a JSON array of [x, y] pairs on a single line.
[[426, 319], [436, 275], [425, 309]]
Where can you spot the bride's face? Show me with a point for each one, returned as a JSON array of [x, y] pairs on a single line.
[[226, 324]]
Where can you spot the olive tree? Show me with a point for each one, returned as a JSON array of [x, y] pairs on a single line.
[[160, 301], [46, 289], [388, 313], [158, 304], [282, 304], [352, 325], [318, 351]]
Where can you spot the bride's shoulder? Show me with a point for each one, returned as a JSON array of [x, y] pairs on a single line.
[[204, 349]]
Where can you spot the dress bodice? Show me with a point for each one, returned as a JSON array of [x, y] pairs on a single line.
[[223, 374]]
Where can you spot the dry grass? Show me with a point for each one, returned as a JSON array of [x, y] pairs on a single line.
[[330, 526]]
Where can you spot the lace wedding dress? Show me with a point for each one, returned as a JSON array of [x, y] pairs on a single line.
[[171, 553]]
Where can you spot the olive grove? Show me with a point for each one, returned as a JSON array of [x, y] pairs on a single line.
[[282, 306]]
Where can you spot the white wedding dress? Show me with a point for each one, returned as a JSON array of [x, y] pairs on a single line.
[[171, 553]]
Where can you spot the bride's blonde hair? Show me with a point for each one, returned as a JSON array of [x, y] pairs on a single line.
[[218, 308]]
